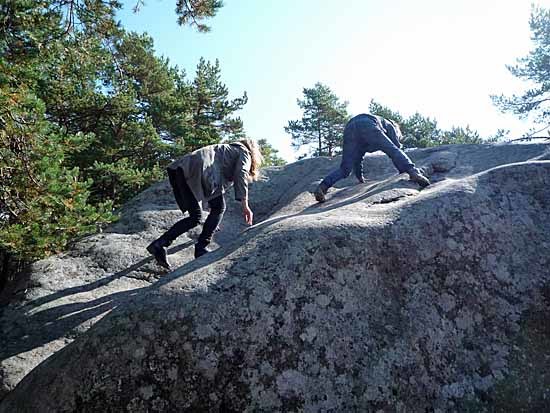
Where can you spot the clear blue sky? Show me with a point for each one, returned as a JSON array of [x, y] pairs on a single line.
[[441, 58]]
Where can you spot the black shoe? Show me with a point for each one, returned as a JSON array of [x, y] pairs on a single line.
[[159, 252], [200, 250], [417, 176], [320, 192]]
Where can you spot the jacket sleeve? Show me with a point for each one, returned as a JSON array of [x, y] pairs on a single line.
[[240, 175], [358, 165], [393, 132]]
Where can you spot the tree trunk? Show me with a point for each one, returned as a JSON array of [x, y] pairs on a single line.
[[320, 142], [11, 274]]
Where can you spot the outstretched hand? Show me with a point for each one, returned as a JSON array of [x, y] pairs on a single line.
[[247, 213]]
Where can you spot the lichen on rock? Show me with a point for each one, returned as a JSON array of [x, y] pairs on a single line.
[[384, 298]]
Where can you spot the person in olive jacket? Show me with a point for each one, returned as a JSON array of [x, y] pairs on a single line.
[[203, 176]]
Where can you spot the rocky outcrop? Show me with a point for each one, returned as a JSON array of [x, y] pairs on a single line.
[[385, 298]]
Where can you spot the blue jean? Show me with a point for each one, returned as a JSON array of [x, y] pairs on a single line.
[[363, 134]]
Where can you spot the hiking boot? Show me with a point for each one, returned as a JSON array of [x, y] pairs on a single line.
[[361, 179], [417, 176], [159, 252], [200, 250], [320, 192]]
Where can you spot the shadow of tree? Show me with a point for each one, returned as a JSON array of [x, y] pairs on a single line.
[[34, 329], [41, 327]]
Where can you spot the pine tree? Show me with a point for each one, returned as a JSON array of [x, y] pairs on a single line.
[[85, 119], [192, 12], [211, 110], [127, 116], [376, 108], [420, 131], [270, 154], [534, 68], [43, 199], [322, 123]]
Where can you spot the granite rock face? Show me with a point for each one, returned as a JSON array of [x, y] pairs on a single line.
[[385, 298]]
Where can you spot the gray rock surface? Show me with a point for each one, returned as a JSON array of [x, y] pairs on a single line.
[[385, 298]]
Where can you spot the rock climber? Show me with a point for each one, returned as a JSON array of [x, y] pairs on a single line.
[[370, 133], [203, 176]]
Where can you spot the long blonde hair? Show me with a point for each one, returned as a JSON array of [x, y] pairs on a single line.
[[256, 156]]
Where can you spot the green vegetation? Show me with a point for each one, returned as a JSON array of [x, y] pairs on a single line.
[[322, 123], [270, 154], [535, 69], [421, 132], [89, 116], [325, 115]]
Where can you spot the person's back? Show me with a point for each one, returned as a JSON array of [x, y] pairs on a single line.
[[393, 130], [389, 127], [209, 171]]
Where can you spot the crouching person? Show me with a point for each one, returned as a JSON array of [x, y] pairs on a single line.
[[203, 176], [370, 133]]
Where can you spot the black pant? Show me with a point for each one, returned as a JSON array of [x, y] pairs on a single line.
[[188, 203]]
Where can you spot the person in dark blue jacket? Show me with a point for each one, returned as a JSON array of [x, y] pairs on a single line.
[[370, 133]]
